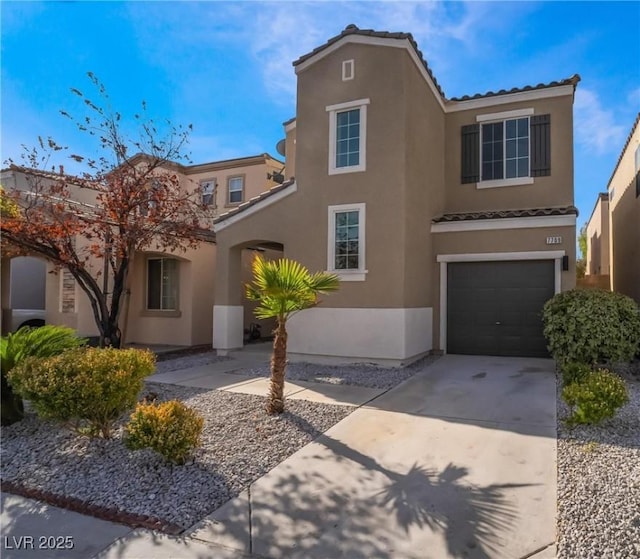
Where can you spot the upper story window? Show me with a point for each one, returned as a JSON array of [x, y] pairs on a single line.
[[207, 190], [347, 136], [162, 284], [506, 149], [345, 255], [236, 189]]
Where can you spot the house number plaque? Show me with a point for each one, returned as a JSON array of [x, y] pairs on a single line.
[[554, 240]]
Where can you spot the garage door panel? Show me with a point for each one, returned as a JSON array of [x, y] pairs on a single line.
[[494, 308]]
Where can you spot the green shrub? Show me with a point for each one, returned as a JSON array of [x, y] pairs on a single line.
[[170, 428], [86, 388], [45, 341], [574, 372], [591, 326], [596, 397]]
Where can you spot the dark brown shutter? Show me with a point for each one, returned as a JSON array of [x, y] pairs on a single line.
[[540, 145], [470, 160]]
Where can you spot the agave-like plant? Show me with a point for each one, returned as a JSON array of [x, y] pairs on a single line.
[[282, 288], [45, 341]]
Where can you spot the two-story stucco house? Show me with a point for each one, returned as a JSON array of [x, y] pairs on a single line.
[[171, 297], [449, 221], [624, 217], [597, 266]]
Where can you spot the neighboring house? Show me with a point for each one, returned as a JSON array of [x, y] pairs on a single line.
[[449, 221], [624, 217], [171, 297], [597, 265]]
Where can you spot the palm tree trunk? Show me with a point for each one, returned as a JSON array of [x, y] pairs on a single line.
[[278, 368]]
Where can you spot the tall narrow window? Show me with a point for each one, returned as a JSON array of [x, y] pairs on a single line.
[[346, 241], [207, 189], [236, 187], [347, 136], [162, 284]]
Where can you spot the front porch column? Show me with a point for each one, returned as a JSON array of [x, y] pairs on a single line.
[[228, 311]]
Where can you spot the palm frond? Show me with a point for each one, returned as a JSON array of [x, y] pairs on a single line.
[[285, 286]]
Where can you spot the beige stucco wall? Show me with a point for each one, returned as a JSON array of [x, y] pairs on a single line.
[[624, 208], [191, 325], [598, 239], [553, 190], [290, 150]]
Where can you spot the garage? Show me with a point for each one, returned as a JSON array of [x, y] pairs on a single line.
[[495, 308]]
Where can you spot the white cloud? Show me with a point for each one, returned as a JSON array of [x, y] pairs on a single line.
[[595, 126], [634, 97]]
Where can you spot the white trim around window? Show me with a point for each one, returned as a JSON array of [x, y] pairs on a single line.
[[348, 70], [506, 115], [334, 111], [444, 259], [354, 274]]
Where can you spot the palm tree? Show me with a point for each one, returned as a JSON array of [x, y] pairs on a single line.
[[282, 288]]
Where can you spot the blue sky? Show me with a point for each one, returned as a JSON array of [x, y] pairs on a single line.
[[226, 67]]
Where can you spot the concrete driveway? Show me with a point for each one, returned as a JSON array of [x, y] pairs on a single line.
[[459, 461]]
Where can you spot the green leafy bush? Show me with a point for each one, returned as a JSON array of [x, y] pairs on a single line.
[[591, 326], [596, 397], [170, 428], [45, 341], [86, 388], [574, 372]]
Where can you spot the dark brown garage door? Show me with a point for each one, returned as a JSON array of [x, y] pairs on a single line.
[[494, 308]]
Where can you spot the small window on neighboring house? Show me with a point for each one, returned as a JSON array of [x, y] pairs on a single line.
[[236, 187], [348, 70], [162, 284], [504, 151], [207, 189], [637, 159], [612, 193], [346, 241], [347, 136]]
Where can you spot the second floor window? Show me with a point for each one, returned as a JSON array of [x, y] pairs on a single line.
[[236, 187], [347, 136], [505, 149], [207, 189]]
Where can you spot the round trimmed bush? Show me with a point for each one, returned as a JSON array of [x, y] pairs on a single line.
[[596, 397], [83, 387], [591, 326], [170, 428]]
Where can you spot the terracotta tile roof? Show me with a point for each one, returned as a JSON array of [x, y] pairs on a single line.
[[573, 80], [352, 29], [499, 214], [253, 201]]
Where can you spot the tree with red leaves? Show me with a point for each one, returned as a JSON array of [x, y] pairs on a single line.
[[128, 200]]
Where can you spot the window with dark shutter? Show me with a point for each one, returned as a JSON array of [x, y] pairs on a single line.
[[540, 145], [470, 163]]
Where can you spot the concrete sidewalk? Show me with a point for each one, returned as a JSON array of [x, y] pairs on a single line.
[[457, 462]]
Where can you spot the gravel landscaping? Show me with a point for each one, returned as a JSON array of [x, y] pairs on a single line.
[[360, 374], [599, 484], [186, 361], [240, 443]]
